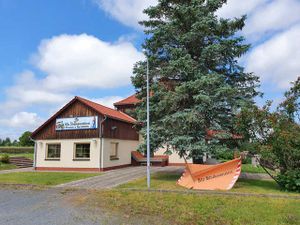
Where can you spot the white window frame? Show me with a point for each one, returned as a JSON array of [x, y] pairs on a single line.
[[116, 156], [79, 158], [47, 148]]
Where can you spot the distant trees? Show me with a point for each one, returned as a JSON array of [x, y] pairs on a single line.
[[6, 142], [24, 140]]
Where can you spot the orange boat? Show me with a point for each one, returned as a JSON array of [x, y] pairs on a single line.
[[211, 177]]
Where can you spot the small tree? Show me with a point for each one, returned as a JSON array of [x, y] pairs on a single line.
[[25, 139], [276, 136]]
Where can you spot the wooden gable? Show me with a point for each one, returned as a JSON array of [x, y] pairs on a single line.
[[111, 128], [75, 109]]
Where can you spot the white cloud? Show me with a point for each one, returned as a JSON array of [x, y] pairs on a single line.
[[29, 90], [237, 8], [21, 120], [128, 12], [272, 17], [72, 62], [64, 65], [277, 60], [84, 61], [108, 100]]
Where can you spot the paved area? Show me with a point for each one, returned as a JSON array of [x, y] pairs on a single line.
[[52, 207], [255, 176], [29, 169], [114, 178]]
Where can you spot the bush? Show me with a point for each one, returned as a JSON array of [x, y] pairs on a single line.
[[225, 155], [4, 158], [290, 180], [246, 160]]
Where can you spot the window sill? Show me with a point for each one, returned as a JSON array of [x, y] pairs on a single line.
[[81, 159], [114, 158], [54, 159]]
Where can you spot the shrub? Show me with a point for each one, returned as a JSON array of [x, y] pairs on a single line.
[[225, 155], [246, 160], [4, 158], [290, 180]]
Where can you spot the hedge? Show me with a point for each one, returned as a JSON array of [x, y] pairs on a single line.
[[15, 150]]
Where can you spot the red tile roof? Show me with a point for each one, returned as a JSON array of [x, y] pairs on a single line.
[[213, 133], [118, 115], [131, 100]]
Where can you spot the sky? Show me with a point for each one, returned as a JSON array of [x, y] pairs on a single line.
[[53, 50]]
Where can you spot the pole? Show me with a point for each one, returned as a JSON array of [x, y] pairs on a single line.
[[148, 128]]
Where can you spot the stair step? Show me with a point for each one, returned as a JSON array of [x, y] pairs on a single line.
[[21, 162]]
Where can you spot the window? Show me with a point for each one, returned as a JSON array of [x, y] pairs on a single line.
[[82, 151], [53, 151], [114, 150]]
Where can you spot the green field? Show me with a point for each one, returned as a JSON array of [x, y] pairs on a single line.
[[189, 209], [197, 208], [26, 155], [42, 178], [7, 166], [167, 181], [248, 168]]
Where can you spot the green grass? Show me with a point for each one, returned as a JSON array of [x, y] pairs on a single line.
[[205, 208], [42, 178], [167, 181], [177, 208], [248, 168], [7, 166], [26, 155]]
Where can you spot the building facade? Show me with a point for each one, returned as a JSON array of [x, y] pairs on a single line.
[[85, 136]]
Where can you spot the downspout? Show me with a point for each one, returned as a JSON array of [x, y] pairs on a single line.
[[34, 153], [101, 140]]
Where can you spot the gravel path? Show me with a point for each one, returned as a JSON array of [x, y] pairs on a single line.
[[28, 169], [114, 178], [255, 176]]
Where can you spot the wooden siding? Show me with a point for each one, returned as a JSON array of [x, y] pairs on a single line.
[[125, 108], [123, 131], [119, 130], [74, 110]]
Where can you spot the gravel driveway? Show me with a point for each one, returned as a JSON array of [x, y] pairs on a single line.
[[20, 207]]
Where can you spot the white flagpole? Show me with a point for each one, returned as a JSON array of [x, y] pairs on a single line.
[[148, 127]]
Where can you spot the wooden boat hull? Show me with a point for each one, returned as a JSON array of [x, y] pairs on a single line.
[[211, 177]]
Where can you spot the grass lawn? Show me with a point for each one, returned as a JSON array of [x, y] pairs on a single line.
[[42, 178], [248, 168], [167, 181], [181, 208], [7, 166], [189, 209], [26, 155]]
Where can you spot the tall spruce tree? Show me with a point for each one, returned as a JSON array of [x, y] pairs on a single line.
[[196, 82]]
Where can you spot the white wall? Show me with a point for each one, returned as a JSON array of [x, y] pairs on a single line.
[[173, 158], [125, 147], [67, 154]]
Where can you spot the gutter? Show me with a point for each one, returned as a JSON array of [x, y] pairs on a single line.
[[34, 154], [101, 140]]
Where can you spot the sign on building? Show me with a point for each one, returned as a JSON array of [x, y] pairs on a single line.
[[77, 123]]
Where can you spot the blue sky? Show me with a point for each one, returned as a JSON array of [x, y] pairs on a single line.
[[52, 50]]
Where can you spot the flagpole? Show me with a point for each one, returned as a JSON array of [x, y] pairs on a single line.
[[148, 127]]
